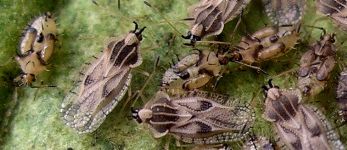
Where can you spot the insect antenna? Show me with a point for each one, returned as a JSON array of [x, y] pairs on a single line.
[[237, 25], [136, 26], [320, 28], [42, 86], [138, 93], [250, 66], [188, 19], [213, 42], [270, 83], [265, 89], [95, 3], [189, 34], [140, 31]]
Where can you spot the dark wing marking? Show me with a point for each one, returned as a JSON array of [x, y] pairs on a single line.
[[305, 62], [326, 67]]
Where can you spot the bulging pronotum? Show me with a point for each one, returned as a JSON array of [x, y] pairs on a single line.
[[103, 83]]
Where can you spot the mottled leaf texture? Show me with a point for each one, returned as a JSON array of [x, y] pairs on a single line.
[[197, 117], [103, 84]]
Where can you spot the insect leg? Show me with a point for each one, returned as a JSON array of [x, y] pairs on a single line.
[[237, 25], [138, 93], [250, 66]]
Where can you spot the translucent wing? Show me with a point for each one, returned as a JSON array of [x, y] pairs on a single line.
[[103, 85]]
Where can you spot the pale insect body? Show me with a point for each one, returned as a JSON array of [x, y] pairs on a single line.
[[284, 12], [335, 9], [103, 84], [193, 71], [316, 65], [35, 48], [197, 117], [265, 44], [341, 94], [298, 126], [209, 17], [40, 28]]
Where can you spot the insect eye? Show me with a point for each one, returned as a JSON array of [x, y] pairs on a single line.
[[140, 38], [33, 76], [40, 39], [184, 75], [332, 40], [135, 115], [274, 39], [197, 38], [260, 47], [307, 89]]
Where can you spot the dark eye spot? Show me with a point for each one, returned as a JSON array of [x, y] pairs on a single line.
[[204, 128], [274, 39], [40, 39], [205, 105], [307, 89], [184, 75], [332, 40]]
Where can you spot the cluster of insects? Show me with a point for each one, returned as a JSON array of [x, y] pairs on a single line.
[[35, 48], [180, 108]]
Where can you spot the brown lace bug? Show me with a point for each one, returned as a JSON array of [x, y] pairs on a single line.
[[196, 117], [298, 126], [103, 83], [209, 16]]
